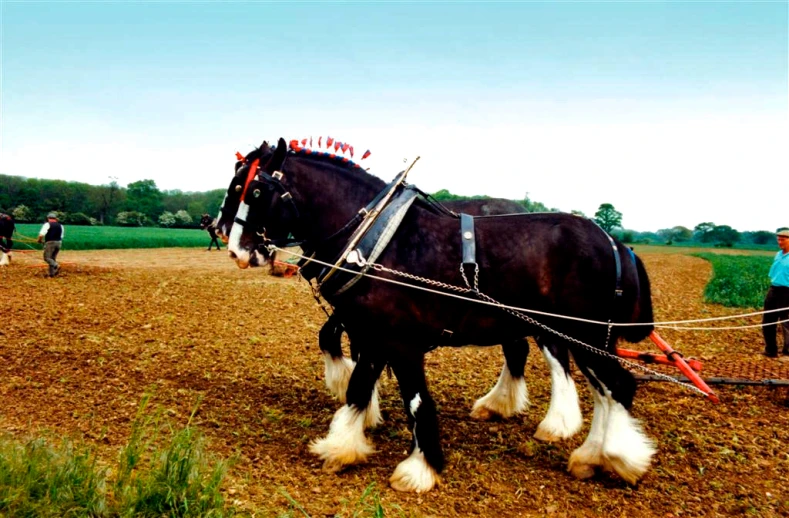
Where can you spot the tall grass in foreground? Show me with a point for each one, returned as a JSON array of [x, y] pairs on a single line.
[[95, 238], [160, 472], [737, 280]]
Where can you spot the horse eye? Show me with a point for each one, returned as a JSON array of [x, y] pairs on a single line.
[[238, 188], [256, 193]]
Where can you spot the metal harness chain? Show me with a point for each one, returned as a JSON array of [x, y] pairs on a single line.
[[476, 277], [530, 320]]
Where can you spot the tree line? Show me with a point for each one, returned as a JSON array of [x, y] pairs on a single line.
[[140, 203], [706, 233]]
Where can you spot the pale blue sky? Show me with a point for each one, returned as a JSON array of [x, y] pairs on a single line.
[[675, 112]]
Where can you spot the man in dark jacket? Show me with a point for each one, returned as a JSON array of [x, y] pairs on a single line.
[[52, 236]]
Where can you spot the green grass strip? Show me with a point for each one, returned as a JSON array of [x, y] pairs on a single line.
[[97, 238], [738, 281]]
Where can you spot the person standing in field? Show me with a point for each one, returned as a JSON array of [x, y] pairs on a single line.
[[777, 298], [52, 236]]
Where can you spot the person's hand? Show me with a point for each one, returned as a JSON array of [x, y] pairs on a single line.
[[39, 239]]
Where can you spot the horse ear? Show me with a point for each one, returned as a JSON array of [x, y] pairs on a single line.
[[278, 158], [264, 147]]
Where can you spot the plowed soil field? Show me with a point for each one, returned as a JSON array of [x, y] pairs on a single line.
[[78, 352]]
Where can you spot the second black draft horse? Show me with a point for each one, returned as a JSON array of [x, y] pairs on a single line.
[[555, 263]]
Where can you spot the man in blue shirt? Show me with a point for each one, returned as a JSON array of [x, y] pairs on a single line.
[[777, 297]]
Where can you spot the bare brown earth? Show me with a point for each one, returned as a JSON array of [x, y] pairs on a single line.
[[78, 352]]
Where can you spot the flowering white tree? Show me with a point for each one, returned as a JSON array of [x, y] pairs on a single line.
[[183, 218], [167, 219]]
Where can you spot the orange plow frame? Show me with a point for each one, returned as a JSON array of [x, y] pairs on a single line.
[[690, 368]]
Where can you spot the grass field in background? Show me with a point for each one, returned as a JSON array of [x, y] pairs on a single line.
[[737, 280], [95, 238]]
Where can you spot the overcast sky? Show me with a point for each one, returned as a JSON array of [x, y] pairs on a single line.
[[677, 113]]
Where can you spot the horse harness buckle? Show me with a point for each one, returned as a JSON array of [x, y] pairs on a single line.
[[469, 249]]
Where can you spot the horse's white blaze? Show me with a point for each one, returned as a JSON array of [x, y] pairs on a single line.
[[590, 454], [508, 397], [234, 243], [414, 474], [563, 419], [337, 373], [626, 449], [345, 443]]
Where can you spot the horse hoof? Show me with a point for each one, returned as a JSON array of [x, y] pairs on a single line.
[[481, 413], [581, 471], [333, 466], [546, 436]]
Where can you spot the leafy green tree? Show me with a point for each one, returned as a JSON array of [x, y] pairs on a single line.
[[143, 196], [131, 218], [760, 237], [675, 234], [724, 235], [608, 217], [105, 199], [701, 232]]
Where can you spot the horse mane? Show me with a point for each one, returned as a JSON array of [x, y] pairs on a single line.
[[339, 163]]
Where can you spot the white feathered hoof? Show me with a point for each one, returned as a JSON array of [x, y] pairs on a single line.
[[627, 451], [557, 427], [345, 443], [414, 475], [584, 462]]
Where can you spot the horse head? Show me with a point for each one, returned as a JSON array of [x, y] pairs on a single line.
[[227, 212], [257, 204]]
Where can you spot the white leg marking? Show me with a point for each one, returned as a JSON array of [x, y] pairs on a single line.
[[346, 443], [626, 450], [590, 454], [563, 419], [373, 415], [3, 259], [337, 373], [414, 474], [415, 404], [508, 397]]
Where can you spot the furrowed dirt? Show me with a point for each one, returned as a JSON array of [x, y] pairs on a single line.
[[78, 352]]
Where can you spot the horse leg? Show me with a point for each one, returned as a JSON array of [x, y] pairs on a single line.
[[616, 441], [419, 472], [563, 419], [509, 396], [346, 443], [337, 368]]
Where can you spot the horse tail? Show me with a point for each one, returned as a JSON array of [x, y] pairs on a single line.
[[642, 310]]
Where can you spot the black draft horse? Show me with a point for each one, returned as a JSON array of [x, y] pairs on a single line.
[[556, 263], [507, 398], [207, 224]]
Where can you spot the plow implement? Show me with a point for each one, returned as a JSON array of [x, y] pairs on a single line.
[[757, 371]]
